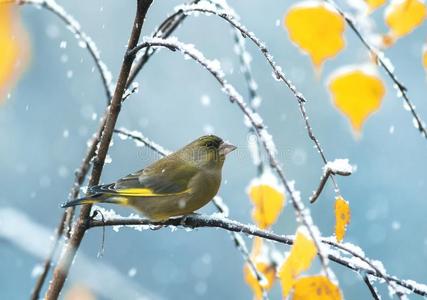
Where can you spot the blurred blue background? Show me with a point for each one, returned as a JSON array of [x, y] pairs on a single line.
[[55, 108]]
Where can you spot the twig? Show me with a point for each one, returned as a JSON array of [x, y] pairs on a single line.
[[164, 31], [371, 288], [35, 294], [385, 63], [328, 173], [217, 201], [277, 70], [62, 269], [85, 40], [64, 226], [303, 215], [367, 261], [202, 221], [251, 85]]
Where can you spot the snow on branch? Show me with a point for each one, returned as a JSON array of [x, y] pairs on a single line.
[[336, 167], [214, 67], [228, 15], [357, 261], [85, 41]]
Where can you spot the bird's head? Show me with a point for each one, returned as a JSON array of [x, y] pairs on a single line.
[[208, 151]]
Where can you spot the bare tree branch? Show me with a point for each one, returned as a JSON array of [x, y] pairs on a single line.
[[169, 25], [277, 70], [371, 288], [303, 215], [328, 173], [202, 221], [61, 270]]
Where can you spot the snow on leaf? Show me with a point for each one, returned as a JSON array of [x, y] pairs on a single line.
[[357, 92], [317, 29], [268, 198], [14, 47], [403, 16], [342, 217], [316, 288], [300, 258]]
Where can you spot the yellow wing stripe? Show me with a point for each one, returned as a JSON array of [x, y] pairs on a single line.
[[145, 192]]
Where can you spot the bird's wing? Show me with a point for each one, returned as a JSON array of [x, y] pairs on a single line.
[[162, 178]]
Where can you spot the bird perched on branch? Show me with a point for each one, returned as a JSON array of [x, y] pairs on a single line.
[[175, 185]]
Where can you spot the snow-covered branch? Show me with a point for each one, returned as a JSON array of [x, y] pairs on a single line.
[[214, 68], [357, 261], [228, 15]]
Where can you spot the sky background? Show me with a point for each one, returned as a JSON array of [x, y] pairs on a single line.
[[55, 108]]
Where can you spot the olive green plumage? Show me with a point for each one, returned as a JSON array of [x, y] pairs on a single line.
[[175, 185]]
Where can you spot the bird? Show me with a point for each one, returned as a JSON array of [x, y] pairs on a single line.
[[175, 185]]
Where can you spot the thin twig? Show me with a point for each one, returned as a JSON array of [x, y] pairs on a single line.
[[385, 63], [303, 215], [85, 40], [35, 294], [251, 85], [202, 221], [365, 260], [62, 269], [371, 288], [166, 28], [277, 70], [64, 226], [328, 173]]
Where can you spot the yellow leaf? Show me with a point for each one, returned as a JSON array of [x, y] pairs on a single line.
[[374, 4], [342, 217], [316, 288], [357, 93], [13, 47], [268, 202], [316, 28], [403, 16], [300, 258]]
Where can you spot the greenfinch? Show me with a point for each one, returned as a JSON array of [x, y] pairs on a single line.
[[175, 185]]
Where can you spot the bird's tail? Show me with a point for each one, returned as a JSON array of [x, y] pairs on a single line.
[[97, 198]]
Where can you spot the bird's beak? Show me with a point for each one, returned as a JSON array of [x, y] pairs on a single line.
[[226, 148]]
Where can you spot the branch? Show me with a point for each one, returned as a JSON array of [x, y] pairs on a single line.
[[277, 70], [386, 64], [85, 41], [303, 215], [62, 269], [337, 167], [164, 31], [371, 288], [215, 221]]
